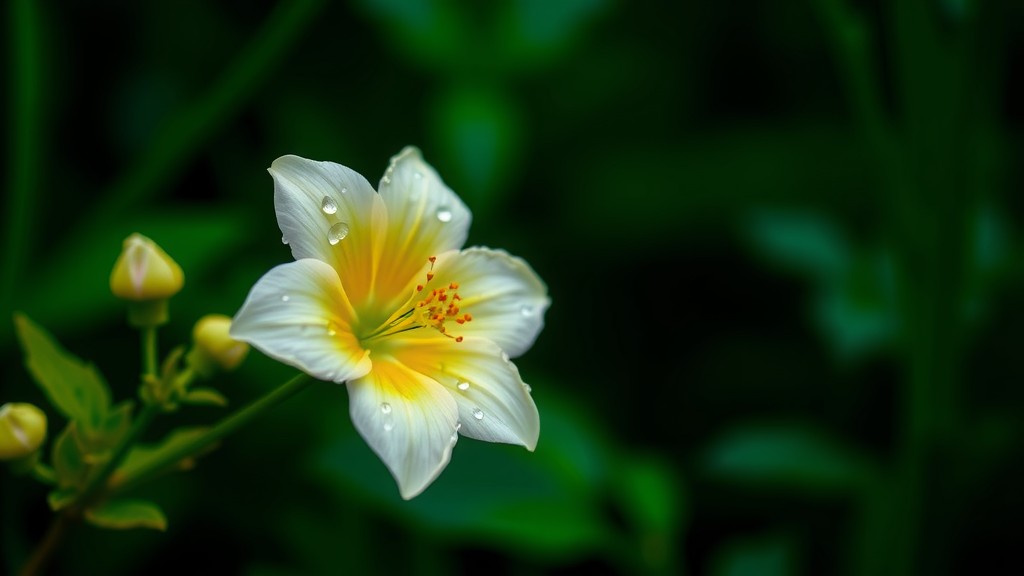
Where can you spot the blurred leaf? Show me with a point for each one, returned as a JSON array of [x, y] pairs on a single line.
[[194, 239], [68, 461], [127, 514], [787, 456], [205, 397], [479, 132], [75, 388], [58, 499], [433, 33], [536, 32], [804, 242], [115, 427], [491, 493], [651, 497], [762, 556], [142, 456]]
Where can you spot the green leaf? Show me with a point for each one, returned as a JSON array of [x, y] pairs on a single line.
[[96, 443], [68, 460], [74, 387], [802, 241], [127, 514], [771, 555], [142, 455], [790, 457], [61, 497], [205, 396]]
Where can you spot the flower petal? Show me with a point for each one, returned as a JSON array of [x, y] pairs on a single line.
[[494, 403], [425, 218], [408, 420], [299, 314], [315, 203], [504, 296]]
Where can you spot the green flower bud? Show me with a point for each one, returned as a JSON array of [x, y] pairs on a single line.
[[22, 430], [213, 348], [145, 276]]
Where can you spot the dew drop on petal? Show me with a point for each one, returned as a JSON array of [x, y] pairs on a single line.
[[504, 356], [389, 425], [527, 387], [284, 240], [385, 408], [463, 386], [478, 414], [344, 190], [444, 215], [337, 233], [285, 297], [418, 175], [526, 310], [328, 205]]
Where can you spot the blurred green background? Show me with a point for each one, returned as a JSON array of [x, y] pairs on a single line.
[[782, 240]]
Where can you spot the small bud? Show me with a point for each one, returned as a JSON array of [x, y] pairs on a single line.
[[22, 430], [146, 276], [213, 348]]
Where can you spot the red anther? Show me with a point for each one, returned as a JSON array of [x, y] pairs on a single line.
[[442, 297], [419, 287], [458, 339], [456, 297], [432, 259], [430, 276], [454, 285], [468, 317], [460, 320]]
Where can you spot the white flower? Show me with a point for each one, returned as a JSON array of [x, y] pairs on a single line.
[[382, 297]]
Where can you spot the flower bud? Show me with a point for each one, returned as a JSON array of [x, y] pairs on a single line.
[[145, 272], [213, 348], [145, 276], [22, 430]]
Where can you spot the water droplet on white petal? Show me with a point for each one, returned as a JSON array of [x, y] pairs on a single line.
[[385, 408], [463, 386], [527, 388], [284, 240], [417, 175], [285, 298], [337, 233], [344, 190], [444, 215], [328, 205], [504, 356], [389, 425], [478, 414], [526, 310]]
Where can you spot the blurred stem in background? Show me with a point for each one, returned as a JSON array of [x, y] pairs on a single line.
[[927, 152]]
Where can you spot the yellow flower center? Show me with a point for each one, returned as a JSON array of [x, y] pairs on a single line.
[[435, 309]]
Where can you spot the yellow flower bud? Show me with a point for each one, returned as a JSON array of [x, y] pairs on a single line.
[[144, 272], [213, 348], [22, 430]]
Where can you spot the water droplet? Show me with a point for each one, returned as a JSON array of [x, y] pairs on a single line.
[[389, 425], [504, 356], [527, 387], [463, 386], [284, 240], [285, 297], [344, 190], [458, 426], [478, 414], [417, 175], [337, 233], [328, 205], [385, 408], [444, 215], [331, 332], [526, 310]]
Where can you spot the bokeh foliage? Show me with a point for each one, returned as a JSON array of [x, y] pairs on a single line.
[[781, 239]]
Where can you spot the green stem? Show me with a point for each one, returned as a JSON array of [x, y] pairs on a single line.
[[48, 545], [149, 352], [44, 473], [222, 429]]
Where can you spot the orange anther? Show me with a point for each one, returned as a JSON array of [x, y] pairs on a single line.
[[459, 339], [419, 287], [454, 285], [430, 276], [432, 259]]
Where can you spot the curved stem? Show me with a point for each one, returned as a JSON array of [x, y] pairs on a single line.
[[44, 551], [222, 429]]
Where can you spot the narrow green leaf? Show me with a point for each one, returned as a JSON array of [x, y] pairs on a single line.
[[68, 460], [205, 396], [790, 457], [61, 497], [74, 387], [142, 455], [127, 514]]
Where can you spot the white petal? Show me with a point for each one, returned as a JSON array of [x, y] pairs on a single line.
[[504, 296], [298, 314], [494, 403], [408, 420], [425, 218], [300, 187]]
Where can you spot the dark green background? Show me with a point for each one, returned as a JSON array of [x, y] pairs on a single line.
[[782, 240]]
